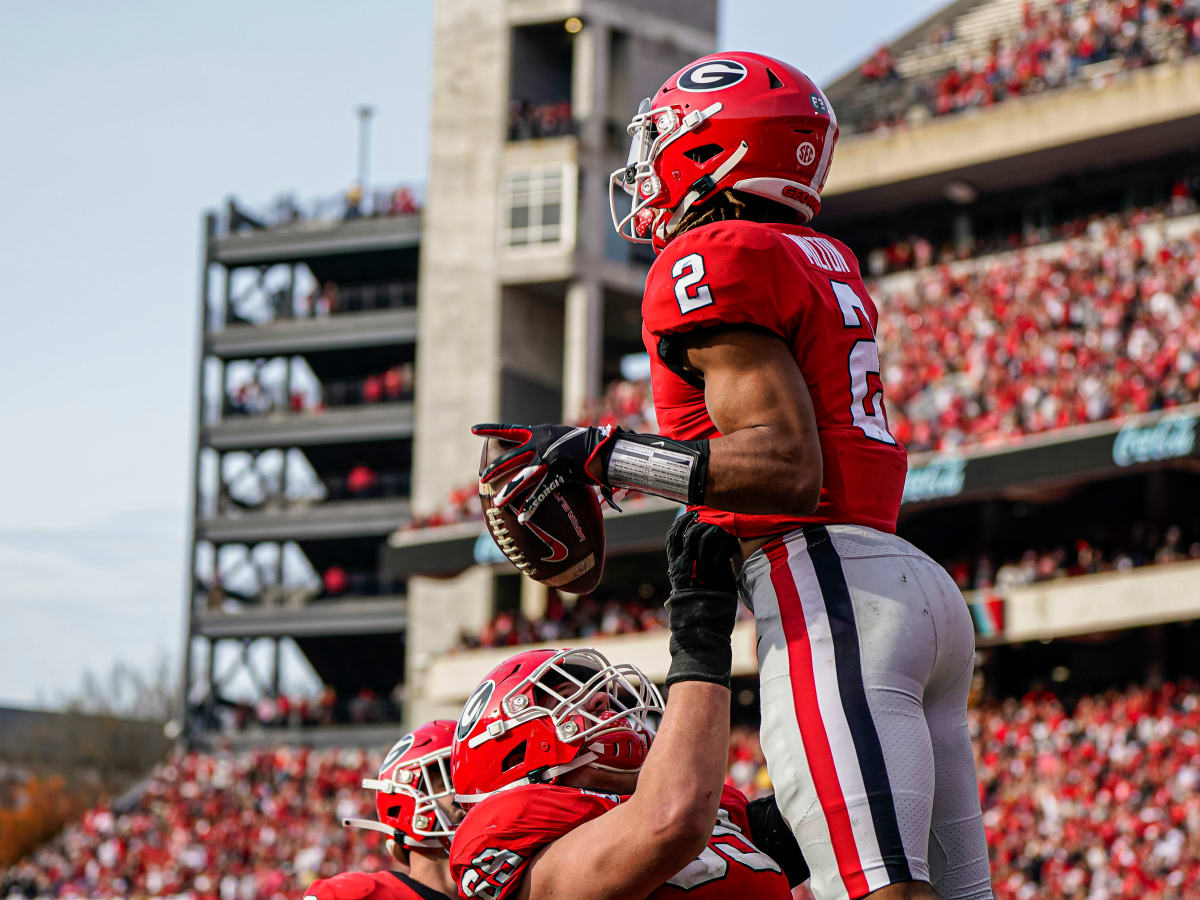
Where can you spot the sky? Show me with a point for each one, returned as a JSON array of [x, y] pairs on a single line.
[[121, 123]]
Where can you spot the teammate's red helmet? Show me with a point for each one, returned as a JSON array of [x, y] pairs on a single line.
[[543, 713], [414, 776], [728, 120]]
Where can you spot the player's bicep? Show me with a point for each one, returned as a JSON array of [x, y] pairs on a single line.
[[768, 458], [751, 379]]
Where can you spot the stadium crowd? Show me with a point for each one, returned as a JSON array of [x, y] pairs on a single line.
[[918, 252], [539, 120], [1054, 44], [1098, 327], [592, 616], [253, 397], [1098, 800]]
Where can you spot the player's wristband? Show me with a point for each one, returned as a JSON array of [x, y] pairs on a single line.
[[657, 465], [701, 623]]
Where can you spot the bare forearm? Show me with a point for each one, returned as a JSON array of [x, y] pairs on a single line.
[[757, 470], [685, 768]]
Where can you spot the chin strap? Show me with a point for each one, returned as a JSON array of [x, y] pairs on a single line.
[[705, 186]]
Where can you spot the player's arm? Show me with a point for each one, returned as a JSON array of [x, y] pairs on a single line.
[[638, 845], [768, 458]]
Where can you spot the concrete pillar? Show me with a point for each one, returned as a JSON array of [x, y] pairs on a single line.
[[583, 343], [535, 598]]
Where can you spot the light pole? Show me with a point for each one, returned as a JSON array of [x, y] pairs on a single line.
[[364, 145]]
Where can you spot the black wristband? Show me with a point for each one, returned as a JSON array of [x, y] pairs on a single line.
[[701, 624], [770, 833], [653, 464]]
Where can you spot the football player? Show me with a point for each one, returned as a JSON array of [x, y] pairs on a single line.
[[571, 795], [765, 376], [414, 800]]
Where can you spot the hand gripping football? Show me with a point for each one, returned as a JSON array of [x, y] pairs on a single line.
[[561, 543]]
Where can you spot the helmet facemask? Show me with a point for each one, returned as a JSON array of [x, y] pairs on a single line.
[[650, 132], [417, 779]]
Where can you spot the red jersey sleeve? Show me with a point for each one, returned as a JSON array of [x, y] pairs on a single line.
[[719, 274], [494, 843], [368, 886]]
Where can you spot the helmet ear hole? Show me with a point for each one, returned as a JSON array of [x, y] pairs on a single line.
[[515, 757], [703, 153]]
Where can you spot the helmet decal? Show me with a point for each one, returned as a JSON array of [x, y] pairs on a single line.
[[806, 154], [818, 103], [711, 75], [401, 747], [473, 709]]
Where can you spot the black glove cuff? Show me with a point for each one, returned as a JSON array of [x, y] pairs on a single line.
[[701, 624], [771, 834]]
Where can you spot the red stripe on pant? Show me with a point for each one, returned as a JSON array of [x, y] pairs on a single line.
[[812, 729]]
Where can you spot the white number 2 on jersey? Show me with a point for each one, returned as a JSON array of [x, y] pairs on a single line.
[[688, 272], [863, 361]]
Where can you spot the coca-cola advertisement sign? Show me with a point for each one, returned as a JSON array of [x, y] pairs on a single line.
[[1170, 437]]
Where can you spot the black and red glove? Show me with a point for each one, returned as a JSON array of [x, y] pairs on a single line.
[[573, 451]]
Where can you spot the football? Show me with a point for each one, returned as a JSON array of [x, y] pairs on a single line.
[[562, 544]]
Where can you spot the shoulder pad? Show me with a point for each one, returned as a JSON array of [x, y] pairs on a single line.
[[346, 886], [726, 273]]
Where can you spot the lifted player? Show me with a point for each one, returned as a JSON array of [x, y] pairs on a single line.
[[414, 800], [572, 797], [765, 376]]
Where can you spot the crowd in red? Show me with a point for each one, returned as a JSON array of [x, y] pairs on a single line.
[[1101, 326], [253, 398], [1051, 47], [1098, 800], [592, 616], [918, 252], [1143, 546]]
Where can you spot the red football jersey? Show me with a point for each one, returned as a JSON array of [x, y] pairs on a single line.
[[807, 289], [493, 845], [371, 886]]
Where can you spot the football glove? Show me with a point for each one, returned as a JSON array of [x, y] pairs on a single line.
[[702, 607], [543, 451]]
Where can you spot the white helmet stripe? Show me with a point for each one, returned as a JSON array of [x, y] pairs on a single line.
[[818, 180]]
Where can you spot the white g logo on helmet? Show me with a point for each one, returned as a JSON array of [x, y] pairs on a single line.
[[473, 709], [712, 75]]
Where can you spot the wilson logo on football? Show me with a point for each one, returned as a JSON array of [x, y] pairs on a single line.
[[712, 76]]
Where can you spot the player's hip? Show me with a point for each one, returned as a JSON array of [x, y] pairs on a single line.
[[874, 591]]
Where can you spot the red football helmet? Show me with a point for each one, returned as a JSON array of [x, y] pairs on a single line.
[[414, 776], [728, 120], [543, 713]]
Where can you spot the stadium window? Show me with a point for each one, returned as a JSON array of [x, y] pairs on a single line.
[[538, 203]]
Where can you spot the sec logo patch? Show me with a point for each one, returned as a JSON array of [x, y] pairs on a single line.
[[806, 154]]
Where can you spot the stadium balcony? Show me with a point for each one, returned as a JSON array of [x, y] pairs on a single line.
[[348, 226], [1022, 142], [1063, 607], [372, 327], [300, 521], [374, 422]]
